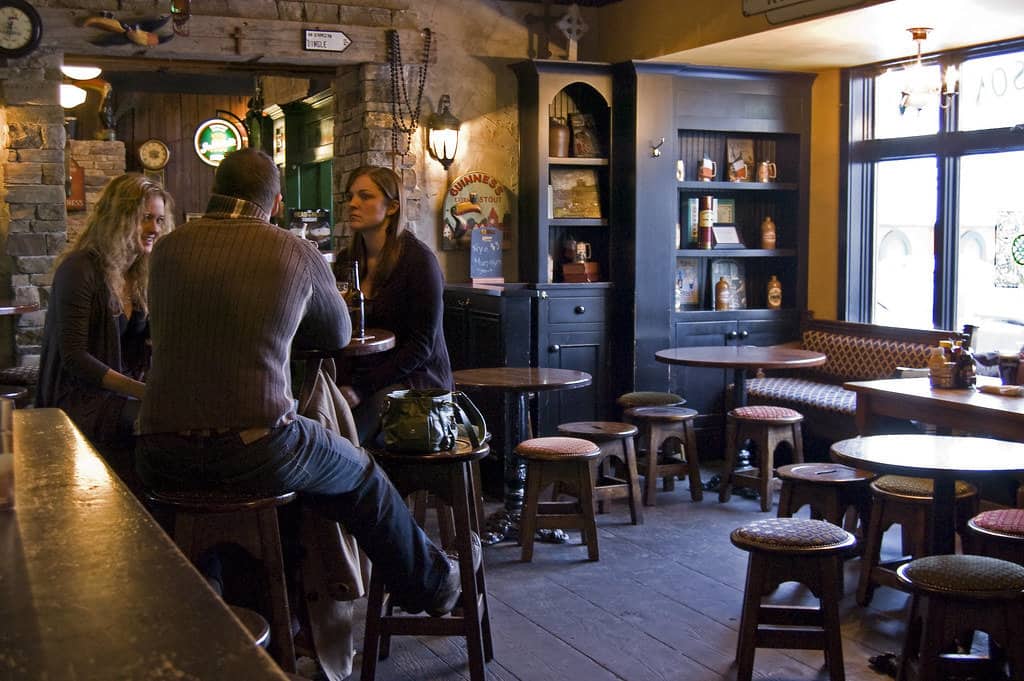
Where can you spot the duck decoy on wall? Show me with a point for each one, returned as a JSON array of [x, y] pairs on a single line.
[[145, 32]]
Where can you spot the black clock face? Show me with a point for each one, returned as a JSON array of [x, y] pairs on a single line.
[[20, 28]]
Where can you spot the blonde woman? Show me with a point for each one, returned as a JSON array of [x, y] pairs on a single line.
[[95, 341]]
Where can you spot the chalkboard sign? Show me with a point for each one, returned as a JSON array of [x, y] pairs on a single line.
[[485, 253]]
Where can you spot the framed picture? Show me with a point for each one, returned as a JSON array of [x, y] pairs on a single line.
[[735, 275], [739, 159], [688, 287], [725, 236], [575, 193], [585, 141]]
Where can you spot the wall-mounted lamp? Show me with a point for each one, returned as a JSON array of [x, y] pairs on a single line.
[[921, 87], [71, 95], [81, 72], [443, 136]]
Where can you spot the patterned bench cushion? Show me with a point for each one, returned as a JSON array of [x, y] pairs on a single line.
[[852, 358], [800, 393]]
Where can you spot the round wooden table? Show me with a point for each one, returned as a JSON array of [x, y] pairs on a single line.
[[375, 340], [740, 358], [517, 384], [940, 457]]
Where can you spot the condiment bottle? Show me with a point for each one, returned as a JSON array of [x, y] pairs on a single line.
[[768, 233], [937, 367], [774, 293], [966, 372], [705, 221], [357, 303], [723, 294]]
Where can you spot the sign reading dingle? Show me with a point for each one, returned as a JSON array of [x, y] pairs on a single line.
[[216, 138]]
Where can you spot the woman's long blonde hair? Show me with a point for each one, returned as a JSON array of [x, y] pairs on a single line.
[[390, 185], [111, 237]]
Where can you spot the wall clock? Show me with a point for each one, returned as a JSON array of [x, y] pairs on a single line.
[[21, 28], [153, 154]]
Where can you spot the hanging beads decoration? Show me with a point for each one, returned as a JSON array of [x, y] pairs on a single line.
[[405, 117]]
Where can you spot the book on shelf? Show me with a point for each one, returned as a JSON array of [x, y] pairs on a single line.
[[585, 141]]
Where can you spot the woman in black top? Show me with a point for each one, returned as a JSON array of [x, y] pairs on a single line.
[[95, 340], [403, 286]]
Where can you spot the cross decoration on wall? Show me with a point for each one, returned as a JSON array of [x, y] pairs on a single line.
[[573, 26]]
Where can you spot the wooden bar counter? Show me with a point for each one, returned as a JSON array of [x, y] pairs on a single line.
[[91, 588]]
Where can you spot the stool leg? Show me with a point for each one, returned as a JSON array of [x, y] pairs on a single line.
[[462, 490], [766, 443], [786, 500], [662, 439], [872, 551], [586, 498], [528, 520], [281, 641], [693, 462], [476, 523], [831, 592], [731, 446], [651, 469], [747, 641], [371, 637], [636, 511], [798, 443]]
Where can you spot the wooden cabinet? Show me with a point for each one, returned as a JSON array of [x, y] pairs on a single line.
[[668, 119], [564, 198], [572, 332]]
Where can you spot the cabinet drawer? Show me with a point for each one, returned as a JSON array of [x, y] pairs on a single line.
[[578, 310]]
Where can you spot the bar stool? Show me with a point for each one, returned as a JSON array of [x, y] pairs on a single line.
[[766, 427], [902, 500], [783, 550], [657, 426], [836, 493], [203, 519], [952, 594], [998, 534], [254, 623], [564, 460], [648, 398], [615, 440], [448, 476]]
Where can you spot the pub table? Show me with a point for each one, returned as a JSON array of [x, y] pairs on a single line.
[[517, 384], [739, 358], [943, 458], [375, 340]]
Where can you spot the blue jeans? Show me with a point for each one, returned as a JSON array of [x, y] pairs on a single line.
[[338, 480]]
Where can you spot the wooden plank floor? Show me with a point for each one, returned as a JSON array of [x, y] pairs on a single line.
[[662, 603]]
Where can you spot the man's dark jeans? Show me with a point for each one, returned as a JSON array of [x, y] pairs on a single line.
[[339, 480]]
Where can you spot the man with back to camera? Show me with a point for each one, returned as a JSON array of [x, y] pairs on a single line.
[[230, 294]]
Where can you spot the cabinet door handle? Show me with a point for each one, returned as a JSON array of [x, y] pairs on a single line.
[[580, 309], [731, 335], [555, 348], [464, 302], [544, 295], [744, 333]]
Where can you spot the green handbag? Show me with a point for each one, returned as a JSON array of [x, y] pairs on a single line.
[[427, 421]]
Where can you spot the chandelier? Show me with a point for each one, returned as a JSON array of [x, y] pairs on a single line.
[[921, 84]]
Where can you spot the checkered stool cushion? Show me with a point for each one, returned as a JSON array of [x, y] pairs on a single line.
[[1003, 521], [660, 414], [791, 534], [766, 413], [915, 487], [555, 448], [963, 574], [645, 398]]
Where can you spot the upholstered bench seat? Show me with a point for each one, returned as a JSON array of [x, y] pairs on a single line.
[[802, 394]]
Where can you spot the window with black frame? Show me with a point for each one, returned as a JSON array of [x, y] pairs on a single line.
[[933, 183]]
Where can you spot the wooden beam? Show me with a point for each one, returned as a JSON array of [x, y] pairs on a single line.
[[231, 40]]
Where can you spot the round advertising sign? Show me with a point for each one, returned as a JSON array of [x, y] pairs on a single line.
[[215, 138], [474, 200]]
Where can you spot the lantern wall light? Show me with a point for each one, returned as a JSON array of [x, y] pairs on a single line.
[[443, 134]]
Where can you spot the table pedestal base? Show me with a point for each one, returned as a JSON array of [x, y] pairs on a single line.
[[504, 524]]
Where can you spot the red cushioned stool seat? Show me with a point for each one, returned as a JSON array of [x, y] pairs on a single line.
[[998, 533]]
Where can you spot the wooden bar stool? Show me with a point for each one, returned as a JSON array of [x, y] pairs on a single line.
[[657, 426], [204, 519], [836, 493], [648, 398], [998, 534], [957, 593], [766, 427], [615, 440], [563, 460], [448, 476], [784, 550], [905, 501]]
